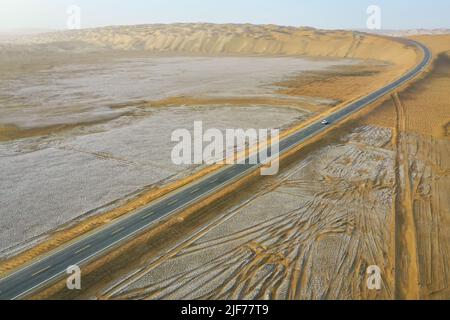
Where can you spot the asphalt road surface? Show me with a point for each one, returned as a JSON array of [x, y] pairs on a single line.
[[52, 267]]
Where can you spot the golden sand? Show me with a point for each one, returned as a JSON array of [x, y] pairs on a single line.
[[426, 103], [245, 39], [419, 117]]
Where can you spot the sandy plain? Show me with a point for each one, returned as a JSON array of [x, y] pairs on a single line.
[[67, 100], [339, 201], [375, 192]]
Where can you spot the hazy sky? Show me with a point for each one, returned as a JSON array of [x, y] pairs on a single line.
[[329, 14]]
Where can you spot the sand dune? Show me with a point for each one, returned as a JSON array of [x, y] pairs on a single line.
[[235, 39]]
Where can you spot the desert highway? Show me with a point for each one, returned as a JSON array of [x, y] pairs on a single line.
[[52, 267]]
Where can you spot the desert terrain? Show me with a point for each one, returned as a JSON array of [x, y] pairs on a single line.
[[82, 121], [373, 193]]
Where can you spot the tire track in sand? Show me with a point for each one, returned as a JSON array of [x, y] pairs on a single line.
[[406, 259]]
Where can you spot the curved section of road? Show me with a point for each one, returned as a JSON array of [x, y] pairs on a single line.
[[52, 267]]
